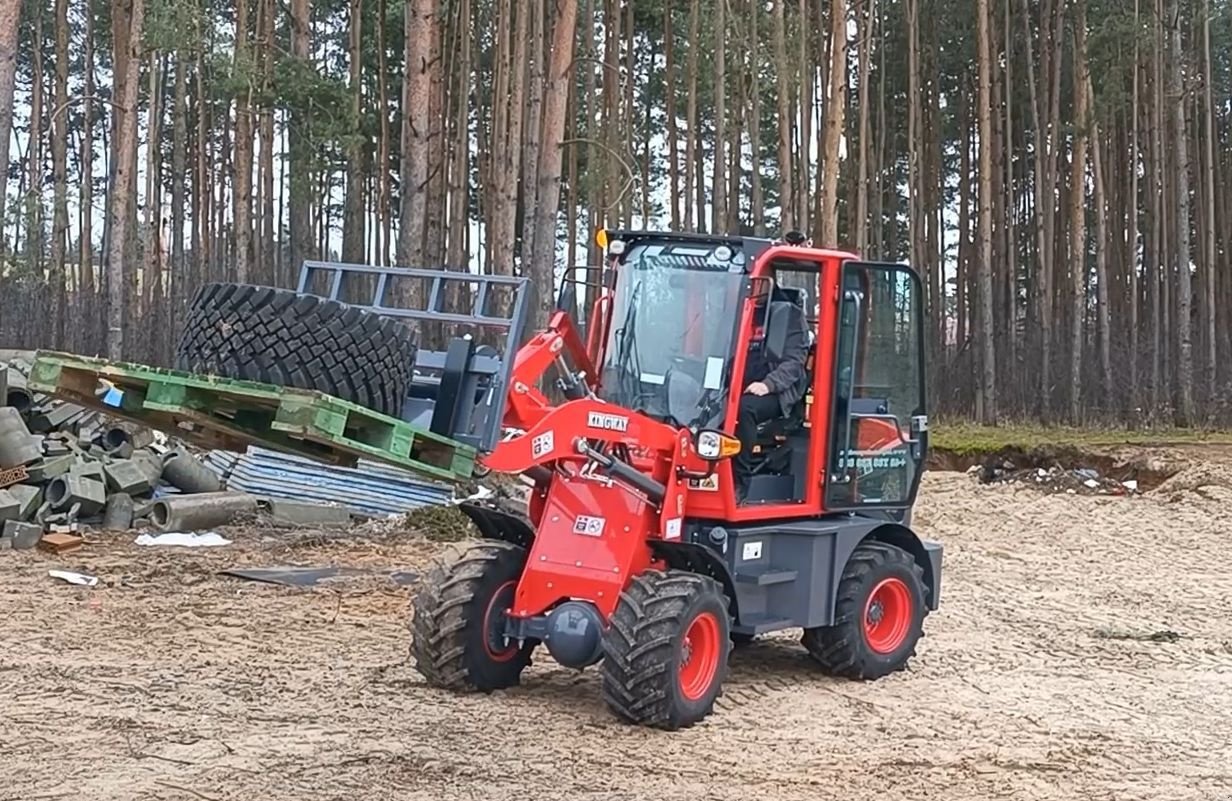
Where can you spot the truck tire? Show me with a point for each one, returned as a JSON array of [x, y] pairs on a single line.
[[276, 336], [457, 640], [878, 615], [666, 651]]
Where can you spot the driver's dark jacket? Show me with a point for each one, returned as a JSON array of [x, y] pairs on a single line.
[[786, 378]]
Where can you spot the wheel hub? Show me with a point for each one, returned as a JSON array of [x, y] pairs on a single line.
[[699, 656], [888, 614], [494, 640]]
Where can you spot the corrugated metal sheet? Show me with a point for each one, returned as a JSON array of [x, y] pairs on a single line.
[[370, 488]]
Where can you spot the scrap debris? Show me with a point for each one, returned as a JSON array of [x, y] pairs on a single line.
[[65, 469], [1054, 479]]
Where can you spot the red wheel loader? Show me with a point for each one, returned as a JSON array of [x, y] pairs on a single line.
[[654, 540]]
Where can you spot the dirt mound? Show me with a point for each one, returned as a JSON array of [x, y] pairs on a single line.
[[1208, 480]]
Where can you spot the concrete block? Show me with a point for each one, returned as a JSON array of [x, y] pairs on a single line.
[[10, 507], [55, 447], [126, 476], [135, 437], [54, 418], [151, 464], [118, 516], [29, 497], [25, 536], [64, 492], [302, 513], [17, 445], [49, 468], [6, 543], [90, 470]]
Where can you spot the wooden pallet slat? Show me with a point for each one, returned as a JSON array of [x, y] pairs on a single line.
[[223, 413]]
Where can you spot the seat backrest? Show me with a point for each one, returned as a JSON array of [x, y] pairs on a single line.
[[799, 297]]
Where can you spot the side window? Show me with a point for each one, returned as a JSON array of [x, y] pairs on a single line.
[[875, 454]]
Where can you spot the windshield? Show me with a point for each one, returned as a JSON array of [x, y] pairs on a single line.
[[670, 343]]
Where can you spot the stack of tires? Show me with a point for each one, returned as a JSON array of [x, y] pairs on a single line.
[[277, 336]]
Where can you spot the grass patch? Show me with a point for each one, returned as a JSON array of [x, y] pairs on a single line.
[[968, 439]]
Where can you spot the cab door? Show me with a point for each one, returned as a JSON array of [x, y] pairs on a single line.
[[879, 429]]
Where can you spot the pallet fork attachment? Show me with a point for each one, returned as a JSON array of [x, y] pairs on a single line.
[[458, 390]]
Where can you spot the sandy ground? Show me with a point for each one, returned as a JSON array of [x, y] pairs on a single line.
[[1083, 650]]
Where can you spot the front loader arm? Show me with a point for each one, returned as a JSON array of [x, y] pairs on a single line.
[[555, 435], [527, 404]]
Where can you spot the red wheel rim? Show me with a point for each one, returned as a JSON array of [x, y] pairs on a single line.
[[887, 616], [494, 624], [700, 658]]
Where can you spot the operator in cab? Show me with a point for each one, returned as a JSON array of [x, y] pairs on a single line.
[[771, 386]]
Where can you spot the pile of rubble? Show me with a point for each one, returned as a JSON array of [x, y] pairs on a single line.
[[64, 468], [1054, 479]]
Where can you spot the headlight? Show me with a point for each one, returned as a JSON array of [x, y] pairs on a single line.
[[715, 445]]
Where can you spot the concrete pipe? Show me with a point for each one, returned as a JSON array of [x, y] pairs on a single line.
[[182, 471], [202, 511]]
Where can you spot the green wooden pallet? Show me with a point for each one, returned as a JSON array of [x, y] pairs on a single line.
[[224, 413]]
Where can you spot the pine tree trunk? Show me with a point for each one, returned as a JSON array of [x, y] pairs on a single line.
[[34, 153], [1133, 261], [1077, 214], [179, 166], [914, 215], [90, 333], [1101, 265], [300, 177], [964, 217], [717, 194], [59, 167], [807, 75], [434, 218], [353, 228], [864, 19], [126, 88], [383, 202], [783, 78], [532, 132], [670, 78], [555, 99], [1180, 144], [265, 169], [692, 133], [511, 147], [153, 306], [242, 195], [460, 162], [417, 88], [10, 32], [826, 220], [1007, 199], [987, 398], [1210, 220], [753, 89]]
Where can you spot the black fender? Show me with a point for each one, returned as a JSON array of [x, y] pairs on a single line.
[[927, 555], [497, 523], [698, 559]]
